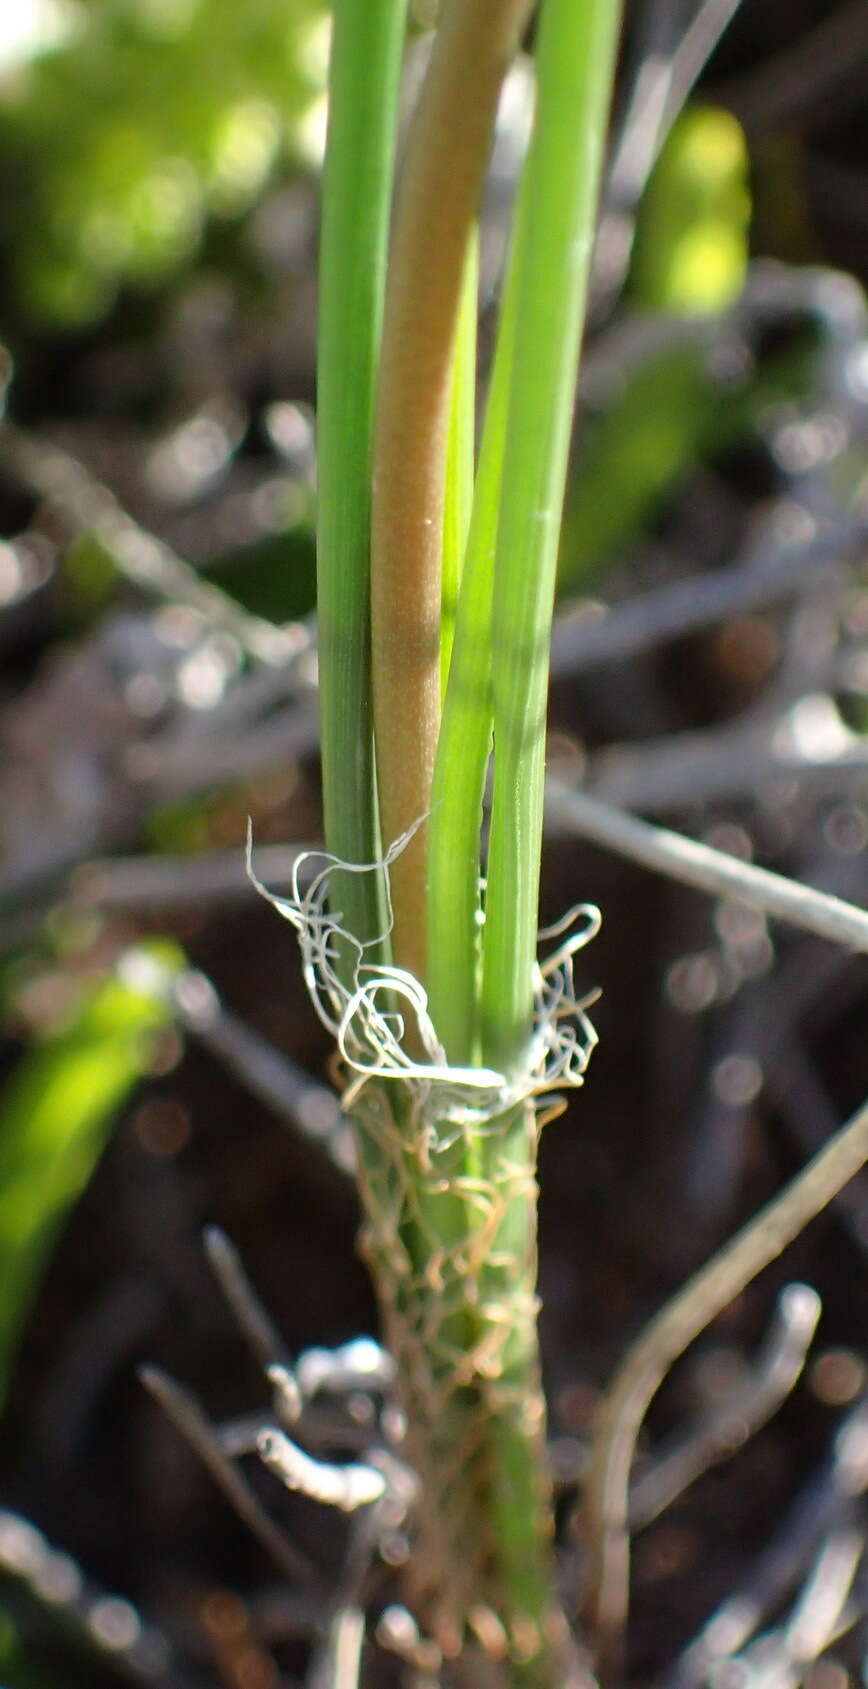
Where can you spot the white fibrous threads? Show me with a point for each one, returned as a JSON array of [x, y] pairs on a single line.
[[368, 1007]]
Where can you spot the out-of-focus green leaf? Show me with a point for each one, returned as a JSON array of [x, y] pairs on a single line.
[[670, 414], [659, 424], [691, 248], [275, 576], [147, 118], [89, 575], [690, 258], [16, 1670], [55, 1113]]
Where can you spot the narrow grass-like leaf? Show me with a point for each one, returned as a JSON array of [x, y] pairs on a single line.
[[450, 1210], [55, 1113], [575, 55], [367, 43], [15, 1663], [442, 176], [509, 551], [464, 744]]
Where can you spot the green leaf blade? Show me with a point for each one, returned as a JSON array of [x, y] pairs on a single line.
[[364, 74], [464, 743], [55, 1114], [575, 57]]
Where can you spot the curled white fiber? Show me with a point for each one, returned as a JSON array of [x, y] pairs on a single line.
[[368, 1016]]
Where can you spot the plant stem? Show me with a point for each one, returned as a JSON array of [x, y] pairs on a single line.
[[469, 1372], [357, 186], [450, 1207], [444, 166], [464, 745], [575, 55], [460, 457]]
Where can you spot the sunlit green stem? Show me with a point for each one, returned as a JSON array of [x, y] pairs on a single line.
[[460, 457], [575, 53], [464, 744], [367, 43], [463, 1332], [438, 199]]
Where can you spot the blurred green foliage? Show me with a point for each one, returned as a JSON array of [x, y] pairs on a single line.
[[691, 249], [666, 414], [16, 1670], [274, 577], [148, 117], [690, 259], [669, 415], [56, 1110]]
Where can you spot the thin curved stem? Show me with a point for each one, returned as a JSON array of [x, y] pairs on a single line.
[[646, 1364], [575, 57], [464, 745], [438, 199], [357, 190]]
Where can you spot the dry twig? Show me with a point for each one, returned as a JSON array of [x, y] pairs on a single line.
[[773, 1375], [708, 869], [108, 1625], [187, 1417], [89, 507], [581, 641], [641, 1373], [823, 1506]]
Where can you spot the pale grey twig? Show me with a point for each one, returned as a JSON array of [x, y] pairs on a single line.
[[583, 641], [709, 870], [695, 48], [88, 506], [820, 1508], [336, 1664], [772, 291], [670, 61], [398, 1633], [188, 1418], [772, 1376], [805, 1106], [818, 1614], [811, 985], [251, 1316], [824, 1611], [829, 54], [836, 300], [781, 1658], [261, 1333], [726, 764], [346, 1487], [108, 1624], [641, 131], [181, 764], [672, 1330], [360, 1364], [268, 1073], [713, 1163], [133, 882], [238, 1436]]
